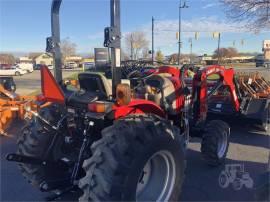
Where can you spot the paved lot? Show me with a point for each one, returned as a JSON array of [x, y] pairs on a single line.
[[248, 148], [31, 82]]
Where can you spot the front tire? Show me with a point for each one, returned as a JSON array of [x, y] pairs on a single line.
[[137, 159], [215, 142], [17, 74]]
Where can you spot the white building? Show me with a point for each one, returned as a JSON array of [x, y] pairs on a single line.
[[26, 60], [45, 59]]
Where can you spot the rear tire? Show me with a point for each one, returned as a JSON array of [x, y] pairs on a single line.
[[34, 141], [215, 142], [17, 74], [124, 162]]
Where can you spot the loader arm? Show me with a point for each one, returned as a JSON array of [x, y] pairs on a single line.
[[200, 89]]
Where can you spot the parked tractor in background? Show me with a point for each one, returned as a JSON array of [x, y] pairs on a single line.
[[229, 95], [114, 141]]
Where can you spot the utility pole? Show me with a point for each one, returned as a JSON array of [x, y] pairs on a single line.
[[153, 20], [191, 46], [218, 48], [131, 48], [179, 35]]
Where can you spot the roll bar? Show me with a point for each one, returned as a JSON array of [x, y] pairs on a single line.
[[53, 42], [112, 40]]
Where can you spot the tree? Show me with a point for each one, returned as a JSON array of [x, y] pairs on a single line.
[[68, 48], [254, 13], [225, 53], [159, 56], [232, 52], [173, 58], [7, 59], [186, 58], [135, 43]]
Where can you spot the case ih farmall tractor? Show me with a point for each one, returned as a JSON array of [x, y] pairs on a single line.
[[231, 96], [115, 143]]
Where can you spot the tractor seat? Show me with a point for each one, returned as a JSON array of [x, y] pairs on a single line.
[[95, 83]]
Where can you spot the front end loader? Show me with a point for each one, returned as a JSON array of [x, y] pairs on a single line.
[[114, 141], [229, 95]]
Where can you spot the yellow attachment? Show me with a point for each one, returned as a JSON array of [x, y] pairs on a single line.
[[13, 106]]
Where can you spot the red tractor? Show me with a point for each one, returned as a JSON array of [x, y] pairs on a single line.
[[113, 141], [227, 95]]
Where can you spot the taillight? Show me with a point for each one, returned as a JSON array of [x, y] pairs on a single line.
[[99, 107]]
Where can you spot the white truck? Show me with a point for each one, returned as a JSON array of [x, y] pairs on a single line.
[[12, 71], [29, 67]]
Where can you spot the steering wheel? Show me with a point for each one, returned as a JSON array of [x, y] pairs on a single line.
[[141, 75]]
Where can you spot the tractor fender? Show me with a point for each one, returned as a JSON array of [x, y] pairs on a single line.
[[137, 107]]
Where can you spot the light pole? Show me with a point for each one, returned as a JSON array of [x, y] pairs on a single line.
[[179, 37], [191, 45], [153, 20], [219, 48]]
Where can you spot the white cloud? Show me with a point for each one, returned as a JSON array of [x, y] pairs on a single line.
[[165, 30], [210, 5]]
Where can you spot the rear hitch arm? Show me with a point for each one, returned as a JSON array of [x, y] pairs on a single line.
[[32, 160]]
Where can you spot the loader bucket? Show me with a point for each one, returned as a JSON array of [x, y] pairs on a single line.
[[256, 109]]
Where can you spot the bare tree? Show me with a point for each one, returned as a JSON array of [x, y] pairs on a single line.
[[225, 53], [173, 58], [7, 59], [135, 43], [232, 52], [68, 48], [254, 13]]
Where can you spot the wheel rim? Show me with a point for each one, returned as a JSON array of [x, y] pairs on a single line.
[[222, 145], [157, 178], [223, 180]]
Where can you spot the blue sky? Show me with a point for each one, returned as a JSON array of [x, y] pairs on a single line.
[[24, 24]]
